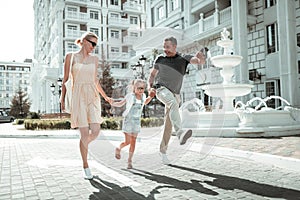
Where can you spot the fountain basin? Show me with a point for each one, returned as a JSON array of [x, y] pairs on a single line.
[[267, 117], [226, 60], [227, 90]]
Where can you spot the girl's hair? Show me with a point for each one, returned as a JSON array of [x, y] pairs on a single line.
[[134, 82], [86, 35]]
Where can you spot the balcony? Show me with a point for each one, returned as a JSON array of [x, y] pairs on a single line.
[[129, 40], [213, 24], [118, 22], [78, 2], [79, 16], [119, 56], [132, 7], [73, 34]]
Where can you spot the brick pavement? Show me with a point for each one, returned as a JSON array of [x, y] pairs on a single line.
[[34, 168]]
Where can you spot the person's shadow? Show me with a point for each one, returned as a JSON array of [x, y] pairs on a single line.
[[168, 182], [232, 183], [108, 190]]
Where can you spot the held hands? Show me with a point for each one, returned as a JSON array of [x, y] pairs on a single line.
[[109, 100]]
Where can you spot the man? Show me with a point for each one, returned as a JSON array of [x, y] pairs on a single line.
[[168, 73]]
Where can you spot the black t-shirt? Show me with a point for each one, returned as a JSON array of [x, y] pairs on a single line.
[[171, 71]]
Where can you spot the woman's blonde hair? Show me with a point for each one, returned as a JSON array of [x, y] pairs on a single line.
[[134, 82], [86, 35]]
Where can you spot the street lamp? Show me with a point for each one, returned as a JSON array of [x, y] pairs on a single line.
[[52, 87], [138, 68]]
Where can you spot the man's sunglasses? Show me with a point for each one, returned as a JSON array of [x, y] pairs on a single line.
[[93, 43]]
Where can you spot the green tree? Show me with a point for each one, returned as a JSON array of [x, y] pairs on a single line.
[[107, 82], [20, 104]]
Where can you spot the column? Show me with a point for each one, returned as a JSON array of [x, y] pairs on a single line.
[[286, 20], [240, 35]]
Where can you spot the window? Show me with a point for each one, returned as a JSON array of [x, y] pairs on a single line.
[[298, 66], [133, 34], [96, 1], [269, 3], [95, 30], [94, 14], [114, 49], [160, 12], [114, 2], [174, 4], [114, 34], [133, 20], [2, 67], [272, 40], [114, 15], [298, 38], [271, 90], [71, 46]]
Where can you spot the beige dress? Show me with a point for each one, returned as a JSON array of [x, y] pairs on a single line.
[[86, 106]]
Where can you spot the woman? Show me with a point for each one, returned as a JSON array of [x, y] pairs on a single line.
[[85, 106]]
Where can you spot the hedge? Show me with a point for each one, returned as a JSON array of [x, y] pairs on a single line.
[[108, 123]]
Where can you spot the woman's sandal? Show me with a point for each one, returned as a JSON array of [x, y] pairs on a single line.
[[118, 153]]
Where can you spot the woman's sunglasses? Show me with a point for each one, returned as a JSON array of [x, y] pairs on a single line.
[[93, 43]]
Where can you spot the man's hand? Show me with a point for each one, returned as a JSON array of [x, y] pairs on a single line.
[[152, 92], [201, 55]]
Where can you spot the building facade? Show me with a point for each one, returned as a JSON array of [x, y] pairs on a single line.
[[13, 75], [58, 23], [266, 34]]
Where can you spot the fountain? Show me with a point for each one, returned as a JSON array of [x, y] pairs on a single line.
[[241, 120]]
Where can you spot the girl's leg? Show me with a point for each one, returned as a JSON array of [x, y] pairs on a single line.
[[122, 145], [131, 150]]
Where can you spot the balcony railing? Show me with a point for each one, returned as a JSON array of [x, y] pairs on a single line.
[[76, 16], [119, 56], [119, 22], [131, 6], [206, 24]]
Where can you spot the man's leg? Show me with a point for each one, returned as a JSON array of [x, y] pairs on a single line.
[[167, 132], [171, 102]]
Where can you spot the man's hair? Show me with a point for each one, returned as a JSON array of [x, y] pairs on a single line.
[[172, 40]]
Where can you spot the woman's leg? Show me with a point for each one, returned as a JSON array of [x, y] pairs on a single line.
[[83, 145], [85, 138]]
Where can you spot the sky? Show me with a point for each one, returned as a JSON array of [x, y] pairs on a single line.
[[16, 33]]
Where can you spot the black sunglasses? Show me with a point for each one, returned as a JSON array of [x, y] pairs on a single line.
[[140, 88], [93, 43]]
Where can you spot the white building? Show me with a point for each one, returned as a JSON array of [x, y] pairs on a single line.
[[58, 23], [266, 34], [13, 75]]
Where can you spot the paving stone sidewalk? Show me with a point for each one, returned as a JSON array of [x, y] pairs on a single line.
[[204, 168]]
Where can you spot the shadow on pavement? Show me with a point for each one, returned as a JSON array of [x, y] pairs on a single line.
[[231, 183], [172, 183], [108, 190]]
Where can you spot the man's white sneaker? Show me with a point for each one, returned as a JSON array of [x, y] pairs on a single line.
[[185, 136], [164, 159], [87, 173]]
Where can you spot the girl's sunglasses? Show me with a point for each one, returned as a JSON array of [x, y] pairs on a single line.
[[93, 43]]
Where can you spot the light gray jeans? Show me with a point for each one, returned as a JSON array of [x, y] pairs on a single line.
[[172, 116]]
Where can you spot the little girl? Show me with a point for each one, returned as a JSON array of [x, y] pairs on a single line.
[[135, 101]]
